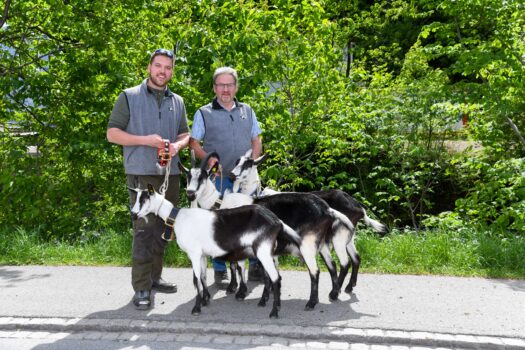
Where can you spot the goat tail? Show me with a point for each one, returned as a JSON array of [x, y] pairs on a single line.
[[292, 234], [341, 219], [374, 224]]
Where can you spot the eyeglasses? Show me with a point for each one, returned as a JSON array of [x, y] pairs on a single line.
[[224, 86], [161, 52]]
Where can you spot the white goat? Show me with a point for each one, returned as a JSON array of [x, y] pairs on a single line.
[[229, 234], [307, 214], [246, 179]]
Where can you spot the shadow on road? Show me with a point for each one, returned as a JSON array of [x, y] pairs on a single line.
[[224, 311]]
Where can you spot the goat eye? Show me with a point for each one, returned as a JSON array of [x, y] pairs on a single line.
[[247, 165]]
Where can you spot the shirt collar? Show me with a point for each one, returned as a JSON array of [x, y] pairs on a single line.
[[167, 91], [216, 105]]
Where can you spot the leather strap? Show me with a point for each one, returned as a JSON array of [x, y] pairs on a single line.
[[168, 234]]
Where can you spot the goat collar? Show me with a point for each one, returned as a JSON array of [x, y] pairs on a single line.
[[217, 204], [256, 192], [168, 234]]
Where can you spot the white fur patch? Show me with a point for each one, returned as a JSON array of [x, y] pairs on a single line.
[[193, 229], [248, 237], [234, 200], [309, 252], [264, 254]]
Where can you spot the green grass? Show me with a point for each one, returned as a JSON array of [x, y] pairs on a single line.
[[465, 252]]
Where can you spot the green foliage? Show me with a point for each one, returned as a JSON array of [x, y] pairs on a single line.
[[361, 96], [497, 198]]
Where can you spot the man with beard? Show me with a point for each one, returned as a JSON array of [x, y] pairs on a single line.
[[142, 118], [229, 128]]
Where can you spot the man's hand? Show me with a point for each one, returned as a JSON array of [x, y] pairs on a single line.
[[174, 149], [154, 140]]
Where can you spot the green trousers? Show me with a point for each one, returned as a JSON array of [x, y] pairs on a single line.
[[148, 246]]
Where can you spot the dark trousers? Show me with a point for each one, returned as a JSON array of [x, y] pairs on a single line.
[[148, 246]]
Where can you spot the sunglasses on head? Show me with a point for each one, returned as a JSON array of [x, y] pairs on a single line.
[[161, 52]]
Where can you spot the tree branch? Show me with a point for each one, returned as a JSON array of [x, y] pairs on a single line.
[[516, 131], [5, 14]]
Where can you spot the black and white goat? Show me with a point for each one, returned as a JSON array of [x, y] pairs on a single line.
[[229, 234], [246, 180], [307, 214]]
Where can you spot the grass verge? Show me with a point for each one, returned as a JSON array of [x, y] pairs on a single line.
[[457, 253]]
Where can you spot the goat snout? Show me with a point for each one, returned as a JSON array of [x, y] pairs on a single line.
[[232, 176], [191, 195]]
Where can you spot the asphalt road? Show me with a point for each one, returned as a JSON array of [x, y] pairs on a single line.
[[384, 309]]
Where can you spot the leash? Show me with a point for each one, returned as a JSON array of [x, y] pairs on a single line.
[[164, 186], [164, 164]]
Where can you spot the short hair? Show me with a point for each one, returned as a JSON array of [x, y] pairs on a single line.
[[161, 52], [225, 70]]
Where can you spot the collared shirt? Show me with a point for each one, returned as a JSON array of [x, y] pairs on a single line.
[[198, 129]]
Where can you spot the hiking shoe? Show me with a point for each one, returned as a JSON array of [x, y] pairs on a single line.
[[142, 300], [220, 277], [255, 272], [162, 286]]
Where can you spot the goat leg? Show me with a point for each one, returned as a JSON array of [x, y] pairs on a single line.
[[336, 286], [266, 291], [341, 252], [276, 298], [356, 262], [243, 289], [232, 287], [205, 296], [314, 292], [342, 275], [197, 308], [198, 300]]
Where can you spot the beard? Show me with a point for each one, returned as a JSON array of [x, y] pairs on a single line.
[[159, 82]]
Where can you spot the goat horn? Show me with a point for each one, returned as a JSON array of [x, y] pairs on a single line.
[[193, 158]]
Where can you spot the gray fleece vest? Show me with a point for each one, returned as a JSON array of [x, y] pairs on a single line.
[[146, 117], [227, 132]]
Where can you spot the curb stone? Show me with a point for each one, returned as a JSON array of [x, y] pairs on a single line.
[[227, 332]]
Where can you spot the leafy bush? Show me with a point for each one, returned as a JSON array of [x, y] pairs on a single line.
[[497, 197]]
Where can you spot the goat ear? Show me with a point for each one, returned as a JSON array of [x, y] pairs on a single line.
[[132, 189], [214, 168], [248, 153], [182, 168], [151, 190], [204, 162], [260, 159]]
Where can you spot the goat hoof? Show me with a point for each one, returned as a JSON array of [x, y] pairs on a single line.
[[334, 295], [274, 314], [231, 289], [196, 311], [310, 305], [349, 289], [240, 296], [262, 303]]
